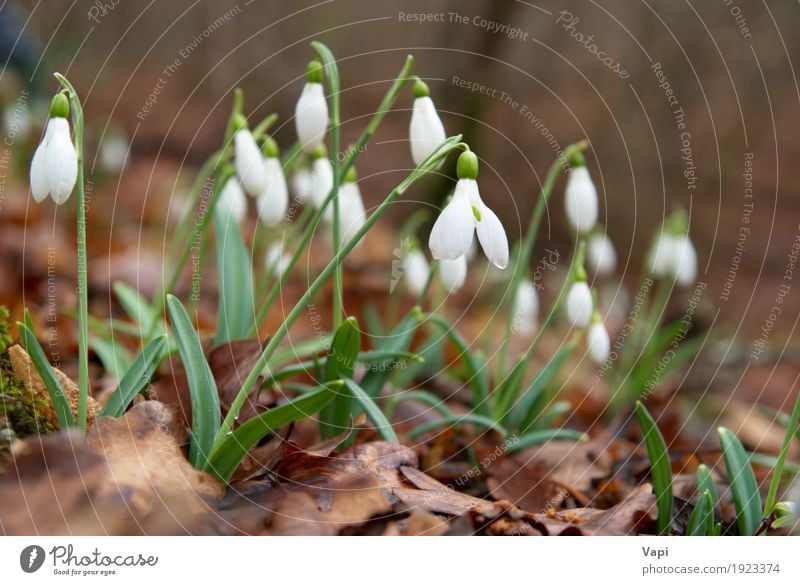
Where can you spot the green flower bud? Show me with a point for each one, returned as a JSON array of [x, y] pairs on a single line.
[[351, 176], [420, 88], [270, 149], [577, 160], [314, 72], [59, 106], [467, 167]]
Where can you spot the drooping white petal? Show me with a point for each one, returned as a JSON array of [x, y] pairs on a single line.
[[321, 184], [491, 234], [660, 259], [249, 162], [233, 200], [415, 271], [453, 273], [426, 131], [273, 201], [527, 309], [60, 160], [684, 261], [275, 260], [598, 342], [352, 214], [311, 116], [579, 305], [454, 229], [600, 254], [580, 199], [40, 188], [301, 185]]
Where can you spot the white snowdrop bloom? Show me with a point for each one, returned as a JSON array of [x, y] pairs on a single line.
[[527, 309], [352, 214], [249, 162], [300, 183], [466, 213], [661, 254], [453, 273], [275, 260], [321, 184], [60, 160], [233, 200], [274, 199], [311, 111], [426, 131], [598, 342], [600, 254], [415, 271], [683, 261], [579, 304], [40, 188], [114, 152], [580, 199]]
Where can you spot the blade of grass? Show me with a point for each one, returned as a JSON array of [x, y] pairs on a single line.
[[340, 364], [235, 311], [137, 377], [383, 426], [701, 521], [744, 488], [660, 469], [459, 419], [543, 436], [777, 472], [705, 483]]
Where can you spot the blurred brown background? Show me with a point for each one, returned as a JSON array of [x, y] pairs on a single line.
[[730, 66]]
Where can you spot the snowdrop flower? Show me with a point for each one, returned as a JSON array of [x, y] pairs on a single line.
[[301, 185], [352, 214], [248, 159], [600, 253], [415, 270], [426, 131], [453, 273], [465, 214], [114, 152], [580, 197], [274, 199], [232, 199], [661, 254], [684, 261], [580, 304], [54, 168], [321, 180], [276, 261], [527, 309], [597, 340], [311, 111]]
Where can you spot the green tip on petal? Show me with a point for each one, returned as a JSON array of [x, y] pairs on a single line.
[[314, 72], [59, 106], [351, 176], [270, 149], [467, 167], [239, 122], [319, 152], [577, 159], [421, 88], [477, 213]]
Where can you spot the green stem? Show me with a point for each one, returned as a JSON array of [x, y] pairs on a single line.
[[427, 166], [526, 249], [386, 104], [778, 471], [83, 303]]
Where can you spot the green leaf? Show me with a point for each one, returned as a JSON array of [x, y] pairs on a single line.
[[310, 366], [202, 387], [477, 374], [340, 364], [396, 342], [744, 488], [112, 354], [48, 376], [543, 436], [426, 398], [660, 469], [701, 520], [232, 450], [705, 483], [138, 309], [374, 413], [457, 420], [297, 351], [777, 472], [137, 378], [236, 311]]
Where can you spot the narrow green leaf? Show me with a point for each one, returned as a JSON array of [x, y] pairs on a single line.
[[426, 398], [202, 387], [459, 419], [297, 351], [137, 378], [113, 355], [136, 307], [48, 376], [397, 341], [235, 312], [233, 448], [744, 488], [340, 364], [777, 471], [374, 413], [705, 483], [701, 520], [543, 436], [660, 469]]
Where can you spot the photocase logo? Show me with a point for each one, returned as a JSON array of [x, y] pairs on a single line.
[[31, 558]]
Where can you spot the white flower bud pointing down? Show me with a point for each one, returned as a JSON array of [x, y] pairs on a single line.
[[600, 254], [426, 131], [40, 188], [580, 199], [453, 273], [274, 199], [352, 214], [598, 342], [311, 116], [275, 260], [60, 160], [233, 200], [579, 305], [661, 254], [301, 185], [415, 271], [249, 162], [684, 261], [527, 309], [321, 184]]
